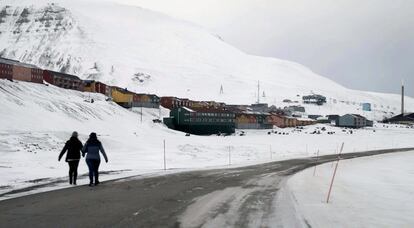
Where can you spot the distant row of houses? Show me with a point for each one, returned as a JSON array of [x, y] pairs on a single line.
[[15, 70]]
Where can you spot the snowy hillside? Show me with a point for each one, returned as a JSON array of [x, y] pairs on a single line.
[[147, 51]]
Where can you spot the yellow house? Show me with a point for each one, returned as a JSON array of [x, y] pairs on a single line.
[[122, 97], [89, 86]]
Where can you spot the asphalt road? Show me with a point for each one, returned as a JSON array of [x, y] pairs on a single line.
[[238, 197]]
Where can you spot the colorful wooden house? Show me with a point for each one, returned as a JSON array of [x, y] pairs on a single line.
[[286, 121], [15, 70], [97, 87], [201, 121], [170, 102], [122, 96], [63, 80], [351, 121], [246, 120], [366, 107], [146, 100]]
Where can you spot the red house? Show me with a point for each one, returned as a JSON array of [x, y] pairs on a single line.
[[97, 87], [63, 80], [170, 102], [15, 70]]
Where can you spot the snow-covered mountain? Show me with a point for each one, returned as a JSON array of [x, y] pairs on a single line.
[[147, 51]]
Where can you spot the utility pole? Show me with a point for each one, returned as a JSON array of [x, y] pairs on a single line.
[[402, 97], [258, 92]]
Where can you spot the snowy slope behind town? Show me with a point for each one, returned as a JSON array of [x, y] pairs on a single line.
[[147, 51]]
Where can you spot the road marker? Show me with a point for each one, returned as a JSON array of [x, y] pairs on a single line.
[[317, 158], [333, 176]]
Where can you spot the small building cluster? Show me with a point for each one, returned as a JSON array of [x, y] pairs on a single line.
[[255, 116], [314, 99]]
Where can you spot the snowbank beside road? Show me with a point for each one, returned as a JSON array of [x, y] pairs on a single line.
[[368, 192]]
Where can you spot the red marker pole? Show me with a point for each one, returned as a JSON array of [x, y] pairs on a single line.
[[334, 174]]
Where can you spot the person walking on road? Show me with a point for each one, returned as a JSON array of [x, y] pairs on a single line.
[[92, 148], [73, 146]]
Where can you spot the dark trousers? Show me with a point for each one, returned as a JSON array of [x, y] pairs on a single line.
[[73, 171], [93, 166]]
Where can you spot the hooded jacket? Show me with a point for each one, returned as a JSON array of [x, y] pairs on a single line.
[[92, 148], [73, 146]]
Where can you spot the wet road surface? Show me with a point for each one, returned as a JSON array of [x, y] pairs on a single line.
[[236, 197]]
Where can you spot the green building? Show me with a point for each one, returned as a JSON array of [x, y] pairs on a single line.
[[201, 121]]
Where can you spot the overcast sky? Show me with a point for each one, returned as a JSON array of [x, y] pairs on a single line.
[[361, 44]]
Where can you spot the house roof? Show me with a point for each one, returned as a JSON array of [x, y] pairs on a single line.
[[17, 63], [254, 113], [188, 109], [405, 116], [205, 109], [63, 75], [146, 94]]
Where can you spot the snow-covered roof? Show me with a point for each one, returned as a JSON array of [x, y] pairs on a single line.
[[187, 109], [17, 63]]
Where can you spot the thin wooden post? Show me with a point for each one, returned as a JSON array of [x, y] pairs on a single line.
[[141, 113], [165, 160], [334, 174], [332, 181], [229, 155], [317, 159], [159, 112], [271, 154]]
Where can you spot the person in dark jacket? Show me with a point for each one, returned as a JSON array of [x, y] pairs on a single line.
[[92, 148], [73, 146]]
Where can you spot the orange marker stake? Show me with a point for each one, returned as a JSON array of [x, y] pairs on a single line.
[[334, 174]]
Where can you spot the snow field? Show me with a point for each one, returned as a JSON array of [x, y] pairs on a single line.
[[368, 192]]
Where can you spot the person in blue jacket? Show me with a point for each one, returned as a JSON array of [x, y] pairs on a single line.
[[92, 148], [73, 146]]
